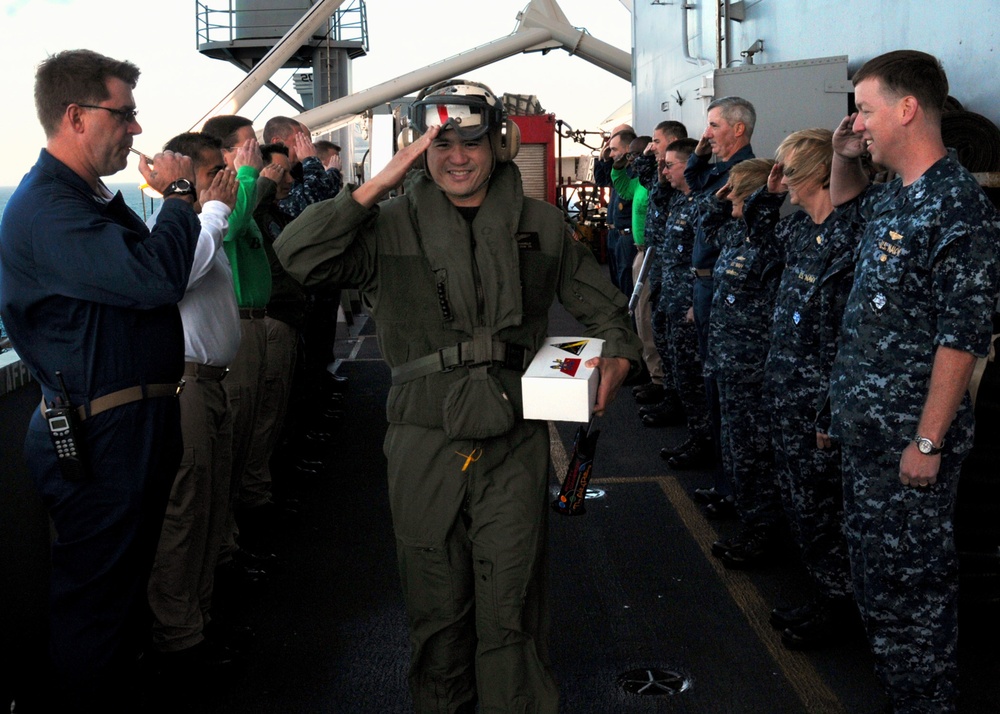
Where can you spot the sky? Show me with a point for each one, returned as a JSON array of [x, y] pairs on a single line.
[[178, 85]]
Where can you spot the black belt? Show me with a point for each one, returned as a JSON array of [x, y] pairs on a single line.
[[252, 313], [205, 372]]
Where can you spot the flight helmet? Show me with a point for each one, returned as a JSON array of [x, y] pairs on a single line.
[[470, 109]]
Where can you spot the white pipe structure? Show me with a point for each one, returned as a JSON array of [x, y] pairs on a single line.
[[310, 22], [541, 26], [547, 15], [685, 40]]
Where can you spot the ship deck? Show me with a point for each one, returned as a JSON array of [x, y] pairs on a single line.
[[634, 589]]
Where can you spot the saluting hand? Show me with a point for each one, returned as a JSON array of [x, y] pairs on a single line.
[[334, 162], [273, 172], [774, 178], [249, 155], [723, 193], [369, 193], [704, 147], [303, 146], [223, 188], [846, 142]]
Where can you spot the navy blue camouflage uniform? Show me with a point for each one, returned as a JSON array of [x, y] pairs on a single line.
[[819, 271], [660, 195], [704, 179], [746, 277], [926, 277], [678, 338], [311, 183]]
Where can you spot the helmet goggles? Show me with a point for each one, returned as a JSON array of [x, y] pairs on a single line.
[[469, 110]]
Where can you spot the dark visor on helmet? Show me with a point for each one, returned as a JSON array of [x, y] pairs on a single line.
[[465, 116]]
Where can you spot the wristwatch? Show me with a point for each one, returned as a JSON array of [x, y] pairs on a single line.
[[180, 187], [926, 446]]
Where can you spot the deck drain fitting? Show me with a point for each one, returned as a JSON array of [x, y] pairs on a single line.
[[654, 682]]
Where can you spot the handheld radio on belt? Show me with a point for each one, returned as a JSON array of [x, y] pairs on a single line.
[[64, 429]]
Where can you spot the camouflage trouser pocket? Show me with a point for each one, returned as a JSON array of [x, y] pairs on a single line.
[[917, 538]]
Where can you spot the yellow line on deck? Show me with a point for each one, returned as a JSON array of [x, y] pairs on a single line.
[[796, 666]]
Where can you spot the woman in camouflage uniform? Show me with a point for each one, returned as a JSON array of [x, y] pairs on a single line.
[[746, 278], [819, 245]]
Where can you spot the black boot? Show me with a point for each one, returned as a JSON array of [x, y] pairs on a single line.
[[830, 624]]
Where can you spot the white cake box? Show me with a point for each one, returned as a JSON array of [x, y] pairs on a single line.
[[556, 386]]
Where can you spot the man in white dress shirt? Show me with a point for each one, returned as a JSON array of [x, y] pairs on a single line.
[[180, 588]]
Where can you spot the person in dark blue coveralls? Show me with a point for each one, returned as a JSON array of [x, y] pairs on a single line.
[[89, 296]]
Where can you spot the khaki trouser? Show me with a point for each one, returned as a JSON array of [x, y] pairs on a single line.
[[644, 323], [472, 559], [279, 367], [180, 586], [244, 386]]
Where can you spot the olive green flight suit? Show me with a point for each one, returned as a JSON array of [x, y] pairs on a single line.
[[468, 475]]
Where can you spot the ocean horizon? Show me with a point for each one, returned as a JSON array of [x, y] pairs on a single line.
[[129, 189]]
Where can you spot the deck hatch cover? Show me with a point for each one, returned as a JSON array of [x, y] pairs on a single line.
[[651, 682]]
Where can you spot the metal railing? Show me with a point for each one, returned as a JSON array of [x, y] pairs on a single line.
[[220, 24]]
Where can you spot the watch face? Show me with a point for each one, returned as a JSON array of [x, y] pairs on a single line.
[[926, 446], [181, 186]]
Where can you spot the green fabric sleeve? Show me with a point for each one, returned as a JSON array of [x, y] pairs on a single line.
[[639, 204], [244, 245], [246, 202], [624, 185]]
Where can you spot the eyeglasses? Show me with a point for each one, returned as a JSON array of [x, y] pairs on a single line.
[[125, 116], [669, 165]]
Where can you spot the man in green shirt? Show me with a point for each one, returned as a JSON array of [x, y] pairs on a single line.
[[252, 282]]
